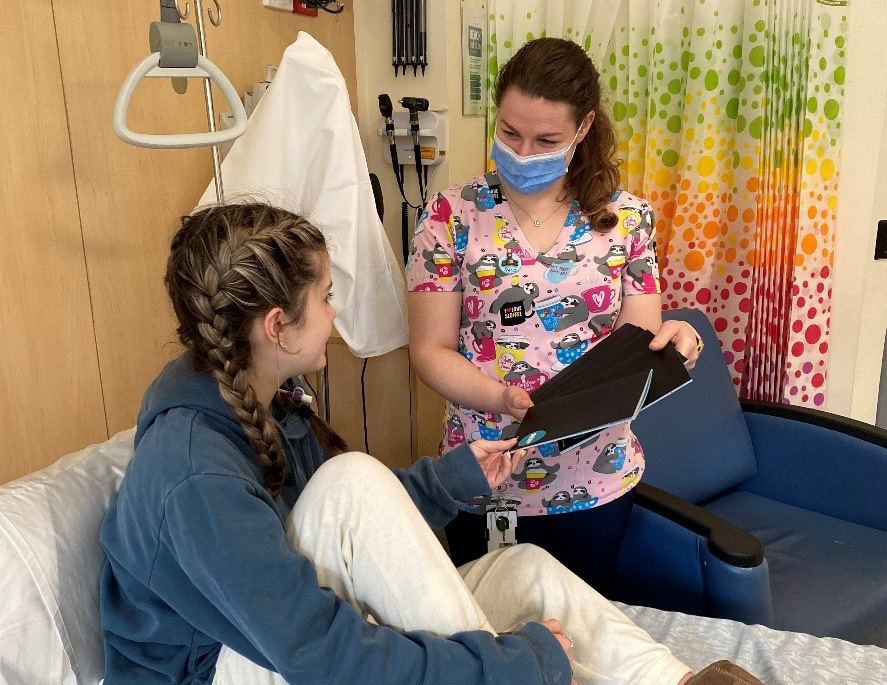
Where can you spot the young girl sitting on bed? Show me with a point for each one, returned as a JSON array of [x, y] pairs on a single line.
[[234, 534]]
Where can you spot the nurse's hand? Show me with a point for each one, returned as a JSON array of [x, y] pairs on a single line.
[[495, 458], [684, 337], [515, 401]]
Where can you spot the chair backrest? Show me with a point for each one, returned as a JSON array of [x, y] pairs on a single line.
[[696, 441], [50, 562]]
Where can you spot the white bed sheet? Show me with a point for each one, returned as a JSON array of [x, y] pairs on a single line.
[[776, 657]]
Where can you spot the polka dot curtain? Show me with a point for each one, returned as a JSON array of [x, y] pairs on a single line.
[[728, 114]]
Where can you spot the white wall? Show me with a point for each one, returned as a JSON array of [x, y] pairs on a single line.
[[874, 290], [441, 85], [859, 294]]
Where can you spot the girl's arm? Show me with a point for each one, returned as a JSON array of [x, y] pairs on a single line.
[[434, 336], [438, 487]]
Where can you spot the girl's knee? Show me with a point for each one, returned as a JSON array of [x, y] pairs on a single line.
[[350, 488], [527, 557], [530, 553], [353, 471]]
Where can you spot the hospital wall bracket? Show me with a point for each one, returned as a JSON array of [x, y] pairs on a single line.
[[432, 138]]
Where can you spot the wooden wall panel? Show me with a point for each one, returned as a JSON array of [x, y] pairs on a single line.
[[130, 197], [50, 394], [388, 399]]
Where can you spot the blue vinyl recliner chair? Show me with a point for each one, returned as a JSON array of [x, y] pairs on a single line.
[[758, 512]]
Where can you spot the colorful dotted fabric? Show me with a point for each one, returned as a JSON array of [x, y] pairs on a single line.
[[728, 115]]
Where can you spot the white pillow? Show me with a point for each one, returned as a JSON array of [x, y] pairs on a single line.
[[50, 562]]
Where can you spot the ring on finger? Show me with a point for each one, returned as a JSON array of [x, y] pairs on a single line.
[[699, 345]]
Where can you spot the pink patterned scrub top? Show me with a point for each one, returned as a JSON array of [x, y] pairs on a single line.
[[528, 315]]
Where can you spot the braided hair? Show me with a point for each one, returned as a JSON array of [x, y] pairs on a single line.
[[227, 266]]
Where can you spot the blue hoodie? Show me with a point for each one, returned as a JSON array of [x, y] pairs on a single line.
[[197, 557]]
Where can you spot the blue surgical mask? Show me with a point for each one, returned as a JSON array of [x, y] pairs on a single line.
[[532, 173]]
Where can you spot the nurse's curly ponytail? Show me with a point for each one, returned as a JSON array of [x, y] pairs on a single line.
[[229, 265]]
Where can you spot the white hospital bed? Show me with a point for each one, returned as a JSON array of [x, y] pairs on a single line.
[[50, 561]]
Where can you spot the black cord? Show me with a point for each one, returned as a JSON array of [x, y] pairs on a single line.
[[308, 383], [417, 153], [405, 230], [363, 399], [399, 177]]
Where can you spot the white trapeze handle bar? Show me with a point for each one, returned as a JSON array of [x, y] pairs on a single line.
[[148, 68]]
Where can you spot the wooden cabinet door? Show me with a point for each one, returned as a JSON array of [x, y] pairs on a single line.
[[50, 393]]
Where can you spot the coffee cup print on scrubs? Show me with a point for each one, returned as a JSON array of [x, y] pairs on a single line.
[[438, 263], [611, 263], [515, 304], [534, 479], [535, 474], [457, 232], [564, 265], [509, 349], [486, 276], [581, 235], [487, 428], [549, 312], [473, 306], [598, 298], [455, 431], [560, 271], [501, 233], [567, 350], [444, 266], [484, 346], [525, 376]]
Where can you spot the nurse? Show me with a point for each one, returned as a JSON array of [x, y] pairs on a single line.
[[544, 257]]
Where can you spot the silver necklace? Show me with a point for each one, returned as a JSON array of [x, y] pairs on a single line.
[[538, 222]]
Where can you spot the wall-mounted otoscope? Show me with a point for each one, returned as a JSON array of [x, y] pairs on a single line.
[[414, 106], [387, 110], [417, 135]]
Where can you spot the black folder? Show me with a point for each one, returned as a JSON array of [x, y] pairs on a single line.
[[608, 385]]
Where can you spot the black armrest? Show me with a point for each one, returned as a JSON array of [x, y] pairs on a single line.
[[824, 419], [726, 541]]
